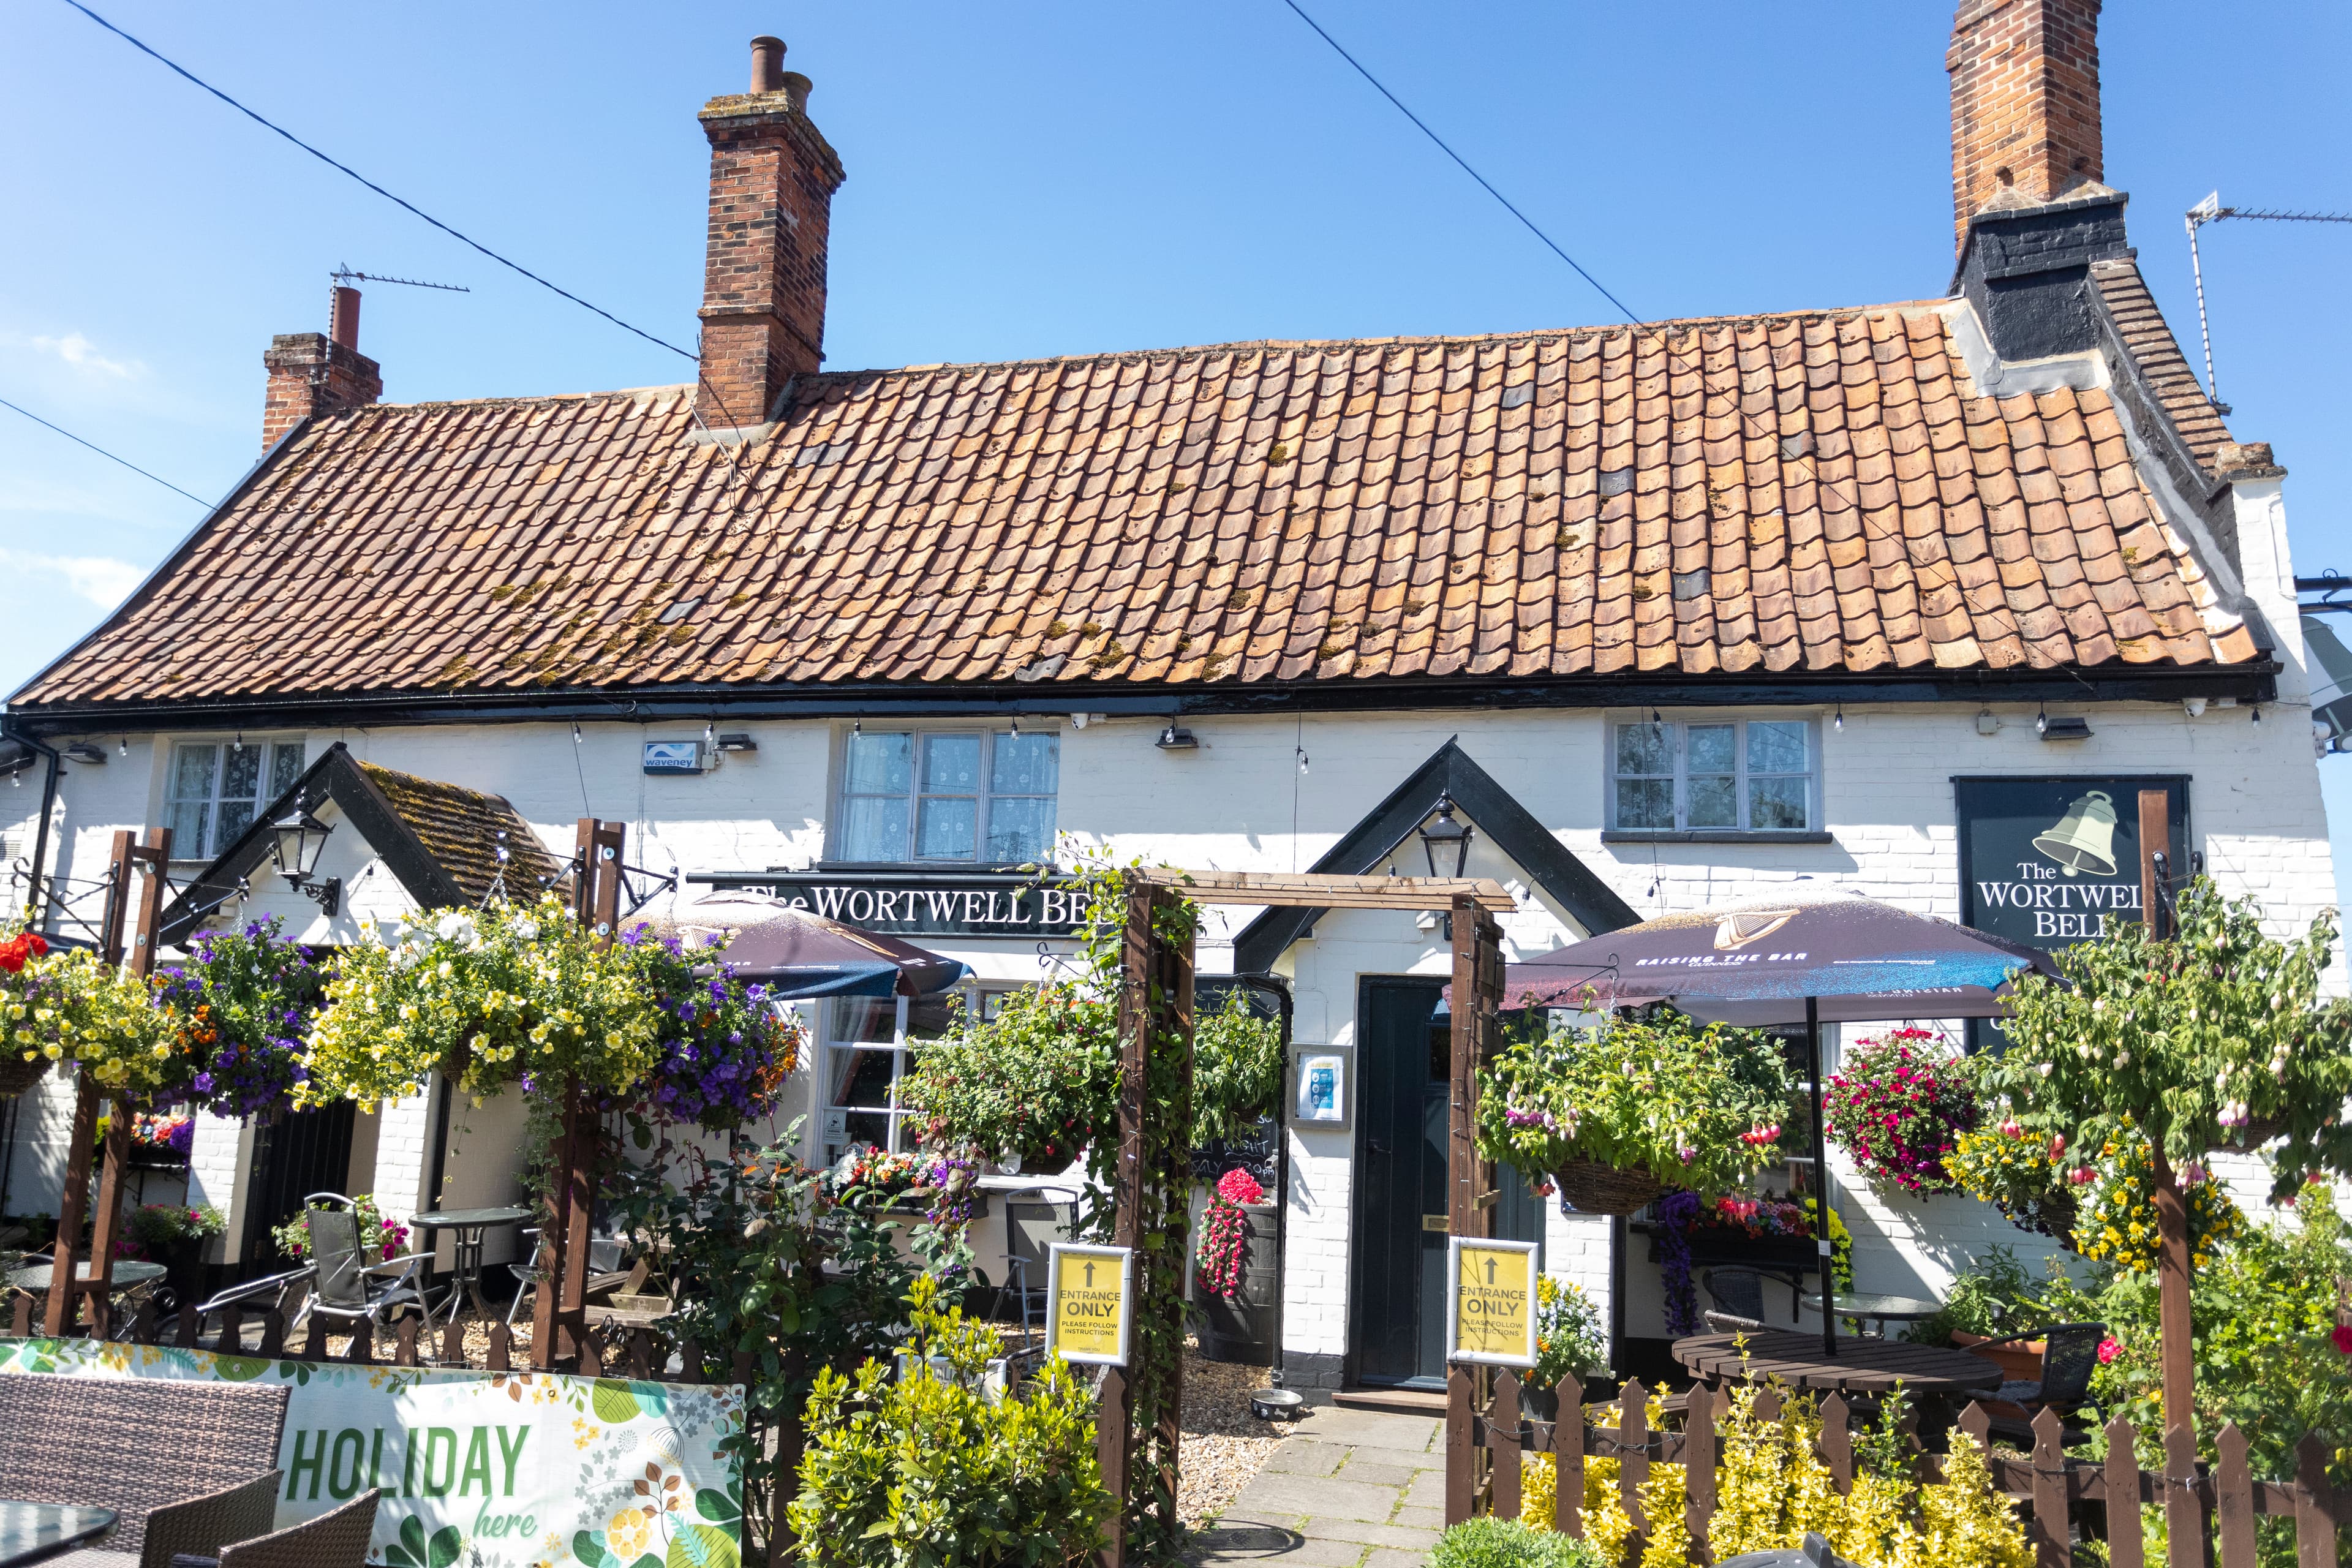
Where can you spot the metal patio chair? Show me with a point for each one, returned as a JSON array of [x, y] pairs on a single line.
[[1738, 1297], [347, 1289], [1031, 1228], [606, 1255], [2070, 1354]]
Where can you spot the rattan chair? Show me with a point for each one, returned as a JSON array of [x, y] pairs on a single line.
[[338, 1539], [178, 1459]]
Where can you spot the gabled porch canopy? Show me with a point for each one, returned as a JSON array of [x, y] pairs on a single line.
[[445, 844]]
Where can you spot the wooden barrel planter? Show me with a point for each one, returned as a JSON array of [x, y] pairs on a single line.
[[1242, 1331]]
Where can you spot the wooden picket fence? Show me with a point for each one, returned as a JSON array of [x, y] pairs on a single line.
[[2204, 1510], [611, 1349]]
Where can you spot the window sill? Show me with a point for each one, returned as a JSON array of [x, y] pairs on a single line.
[[1707, 836]]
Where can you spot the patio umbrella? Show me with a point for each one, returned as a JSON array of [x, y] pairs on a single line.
[[1788, 961], [800, 954]]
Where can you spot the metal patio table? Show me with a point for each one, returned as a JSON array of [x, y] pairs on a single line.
[[466, 1260], [128, 1273], [1873, 1307], [30, 1531]]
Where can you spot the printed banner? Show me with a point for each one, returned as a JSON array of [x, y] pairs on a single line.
[[518, 1470]]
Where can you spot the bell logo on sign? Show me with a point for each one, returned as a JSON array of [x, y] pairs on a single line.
[[1088, 1298], [1490, 1313]]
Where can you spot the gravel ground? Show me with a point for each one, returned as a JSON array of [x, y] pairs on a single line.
[[1224, 1444]]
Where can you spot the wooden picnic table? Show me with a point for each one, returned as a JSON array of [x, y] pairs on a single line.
[[1860, 1366]]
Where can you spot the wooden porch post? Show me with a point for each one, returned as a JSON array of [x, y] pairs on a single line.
[[1114, 1417], [1470, 1196], [559, 1314], [2172, 1280], [65, 1290]]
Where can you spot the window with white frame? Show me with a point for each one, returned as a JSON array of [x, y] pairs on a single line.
[[1733, 776], [981, 795], [870, 1042], [215, 787]]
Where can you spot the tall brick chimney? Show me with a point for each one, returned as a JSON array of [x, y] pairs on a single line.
[[314, 374], [773, 177], [2025, 103]]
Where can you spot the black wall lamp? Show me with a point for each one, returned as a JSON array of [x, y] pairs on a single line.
[[1445, 834], [1176, 738], [301, 837], [1446, 831]]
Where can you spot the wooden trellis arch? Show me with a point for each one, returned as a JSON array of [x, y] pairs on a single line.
[[1156, 1001]]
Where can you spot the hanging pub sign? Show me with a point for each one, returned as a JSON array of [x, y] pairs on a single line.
[[2045, 861], [921, 902]]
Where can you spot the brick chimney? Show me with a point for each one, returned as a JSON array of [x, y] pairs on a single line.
[[2025, 103], [773, 177], [310, 373]]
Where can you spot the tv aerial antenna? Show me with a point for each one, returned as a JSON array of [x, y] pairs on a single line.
[[343, 275], [2211, 210]]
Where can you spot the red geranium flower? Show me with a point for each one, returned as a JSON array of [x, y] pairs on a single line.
[[2342, 1338]]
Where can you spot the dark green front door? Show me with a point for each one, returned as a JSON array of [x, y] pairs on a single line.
[[1397, 1258]]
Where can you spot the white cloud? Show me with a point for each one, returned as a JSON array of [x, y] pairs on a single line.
[[80, 352], [102, 580]]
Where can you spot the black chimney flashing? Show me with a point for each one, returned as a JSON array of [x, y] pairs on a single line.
[[2027, 271]]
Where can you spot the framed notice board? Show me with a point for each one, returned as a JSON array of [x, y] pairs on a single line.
[[2045, 859]]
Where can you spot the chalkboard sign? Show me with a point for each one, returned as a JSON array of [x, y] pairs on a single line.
[[1252, 1152]]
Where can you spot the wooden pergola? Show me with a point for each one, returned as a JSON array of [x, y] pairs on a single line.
[[1156, 1003]]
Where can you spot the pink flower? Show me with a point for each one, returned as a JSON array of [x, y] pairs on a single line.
[[2342, 1338], [2112, 1347]]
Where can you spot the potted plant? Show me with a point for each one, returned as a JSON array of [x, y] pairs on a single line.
[[389, 1236], [174, 1235], [1898, 1106], [723, 1050], [1618, 1116], [160, 1140], [1570, 1346]]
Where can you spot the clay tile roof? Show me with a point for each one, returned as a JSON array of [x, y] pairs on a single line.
[[460, 829], [1810, 492], [2149, 337]]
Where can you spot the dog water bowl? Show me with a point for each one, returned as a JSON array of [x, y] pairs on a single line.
[[1277, 1404]]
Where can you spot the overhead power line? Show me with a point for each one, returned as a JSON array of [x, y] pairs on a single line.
[[102, 452], [346, 169]]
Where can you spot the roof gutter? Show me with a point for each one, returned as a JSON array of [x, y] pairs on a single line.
[[11, 728], [2254, 682]]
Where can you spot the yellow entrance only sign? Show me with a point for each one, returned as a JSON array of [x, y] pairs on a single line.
[[1490, 1312], [1090, 1301]]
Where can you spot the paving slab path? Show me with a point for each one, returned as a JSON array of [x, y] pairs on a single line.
[[1346, 1489]]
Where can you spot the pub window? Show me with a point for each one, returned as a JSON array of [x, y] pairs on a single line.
[[216, 787], [869, 1043], [1738, 775], [985, 796]]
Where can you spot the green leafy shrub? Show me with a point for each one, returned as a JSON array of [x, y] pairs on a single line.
[[924, 1469], [1487, 1542]]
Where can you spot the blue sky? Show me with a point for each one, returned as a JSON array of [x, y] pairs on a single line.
[[1056, 178]]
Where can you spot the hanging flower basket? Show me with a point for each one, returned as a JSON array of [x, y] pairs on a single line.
[[1588, 1186], [1646, 1103], [16, 1074]]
